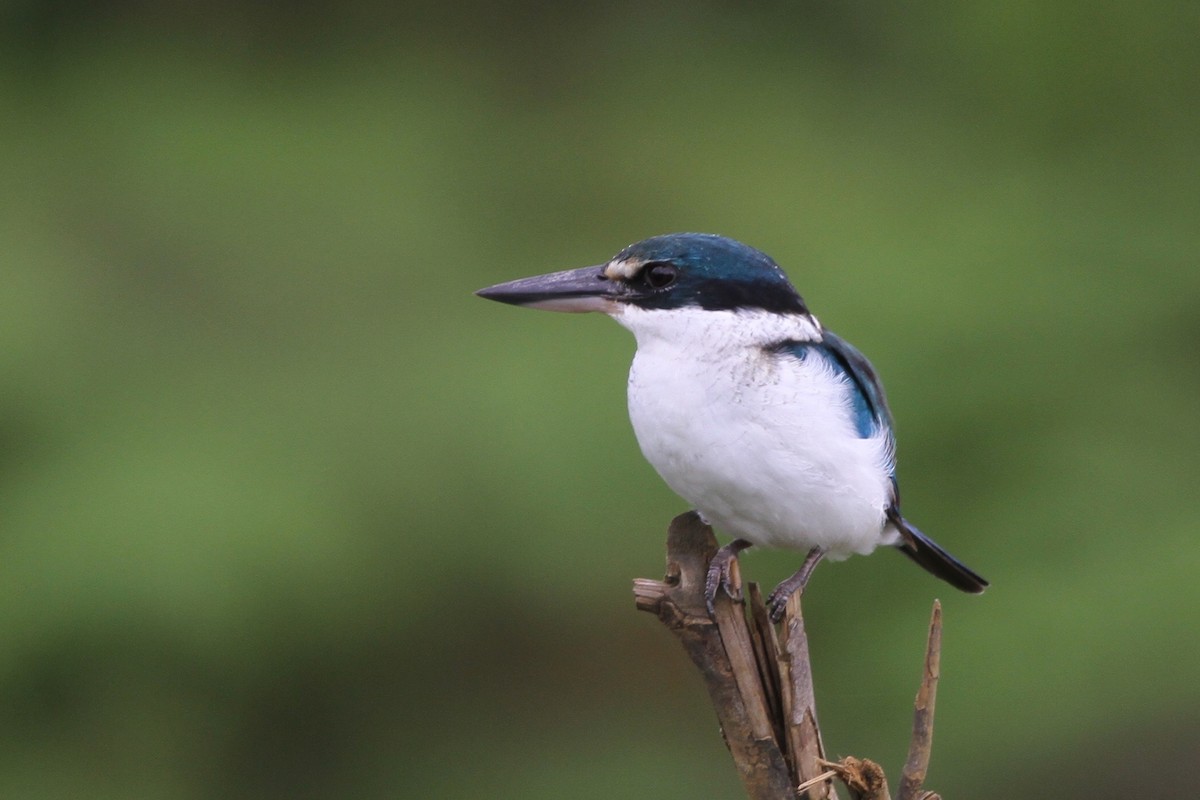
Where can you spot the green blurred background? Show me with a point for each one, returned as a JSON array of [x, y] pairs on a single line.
[[286, 512]]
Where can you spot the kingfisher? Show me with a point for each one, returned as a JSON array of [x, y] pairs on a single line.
[[773, 428]]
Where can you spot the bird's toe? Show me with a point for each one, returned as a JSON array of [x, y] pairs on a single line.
[[722, 574], [777, 603]]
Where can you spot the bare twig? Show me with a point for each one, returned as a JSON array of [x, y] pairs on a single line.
[[678, 600], [766, 650], [863, 778], [822, 778], [803, 734], [761, 685], [913, 777]]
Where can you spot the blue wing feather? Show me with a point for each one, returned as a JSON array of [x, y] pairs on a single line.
[[868, 389], [867, 401], [869, 406], [872, 415]]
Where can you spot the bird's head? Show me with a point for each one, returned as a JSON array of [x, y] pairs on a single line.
[[677, 270]]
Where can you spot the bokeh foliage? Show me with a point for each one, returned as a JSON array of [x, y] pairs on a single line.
[[286, 512]]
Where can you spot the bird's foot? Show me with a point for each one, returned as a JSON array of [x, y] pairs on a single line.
[[720, 574], [777, 601]]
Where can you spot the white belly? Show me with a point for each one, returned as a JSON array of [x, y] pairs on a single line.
[[762, 445]]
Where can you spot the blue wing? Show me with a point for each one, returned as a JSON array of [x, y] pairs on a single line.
[[868, 404], [871, 415]]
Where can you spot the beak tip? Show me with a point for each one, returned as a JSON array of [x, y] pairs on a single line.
[[496, 293], [570, 290]]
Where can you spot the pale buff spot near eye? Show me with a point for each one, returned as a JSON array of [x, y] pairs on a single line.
[[621, 270]]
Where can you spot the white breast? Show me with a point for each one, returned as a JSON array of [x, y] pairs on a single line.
[[763, 445]]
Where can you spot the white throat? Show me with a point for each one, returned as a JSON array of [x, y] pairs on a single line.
[[702, 331]]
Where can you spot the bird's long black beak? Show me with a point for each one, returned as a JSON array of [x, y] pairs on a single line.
[[586, 289]]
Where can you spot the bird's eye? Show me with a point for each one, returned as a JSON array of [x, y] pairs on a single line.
[[659, 276]]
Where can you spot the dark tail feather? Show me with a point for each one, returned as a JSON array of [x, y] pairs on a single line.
[[926, 552]]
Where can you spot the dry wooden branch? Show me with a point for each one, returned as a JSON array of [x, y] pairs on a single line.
[[804, 735], [913, 777], [864, 779], [761, 685], [678, 600]]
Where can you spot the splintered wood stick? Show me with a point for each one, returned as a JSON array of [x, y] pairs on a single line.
[[804, 735], [760, 681], [912, 779], [678, 601]]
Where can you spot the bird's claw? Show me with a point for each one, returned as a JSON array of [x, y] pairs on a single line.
[[721, 574], [777, 601]]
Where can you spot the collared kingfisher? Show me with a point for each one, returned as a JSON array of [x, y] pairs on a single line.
[[775, 429]]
